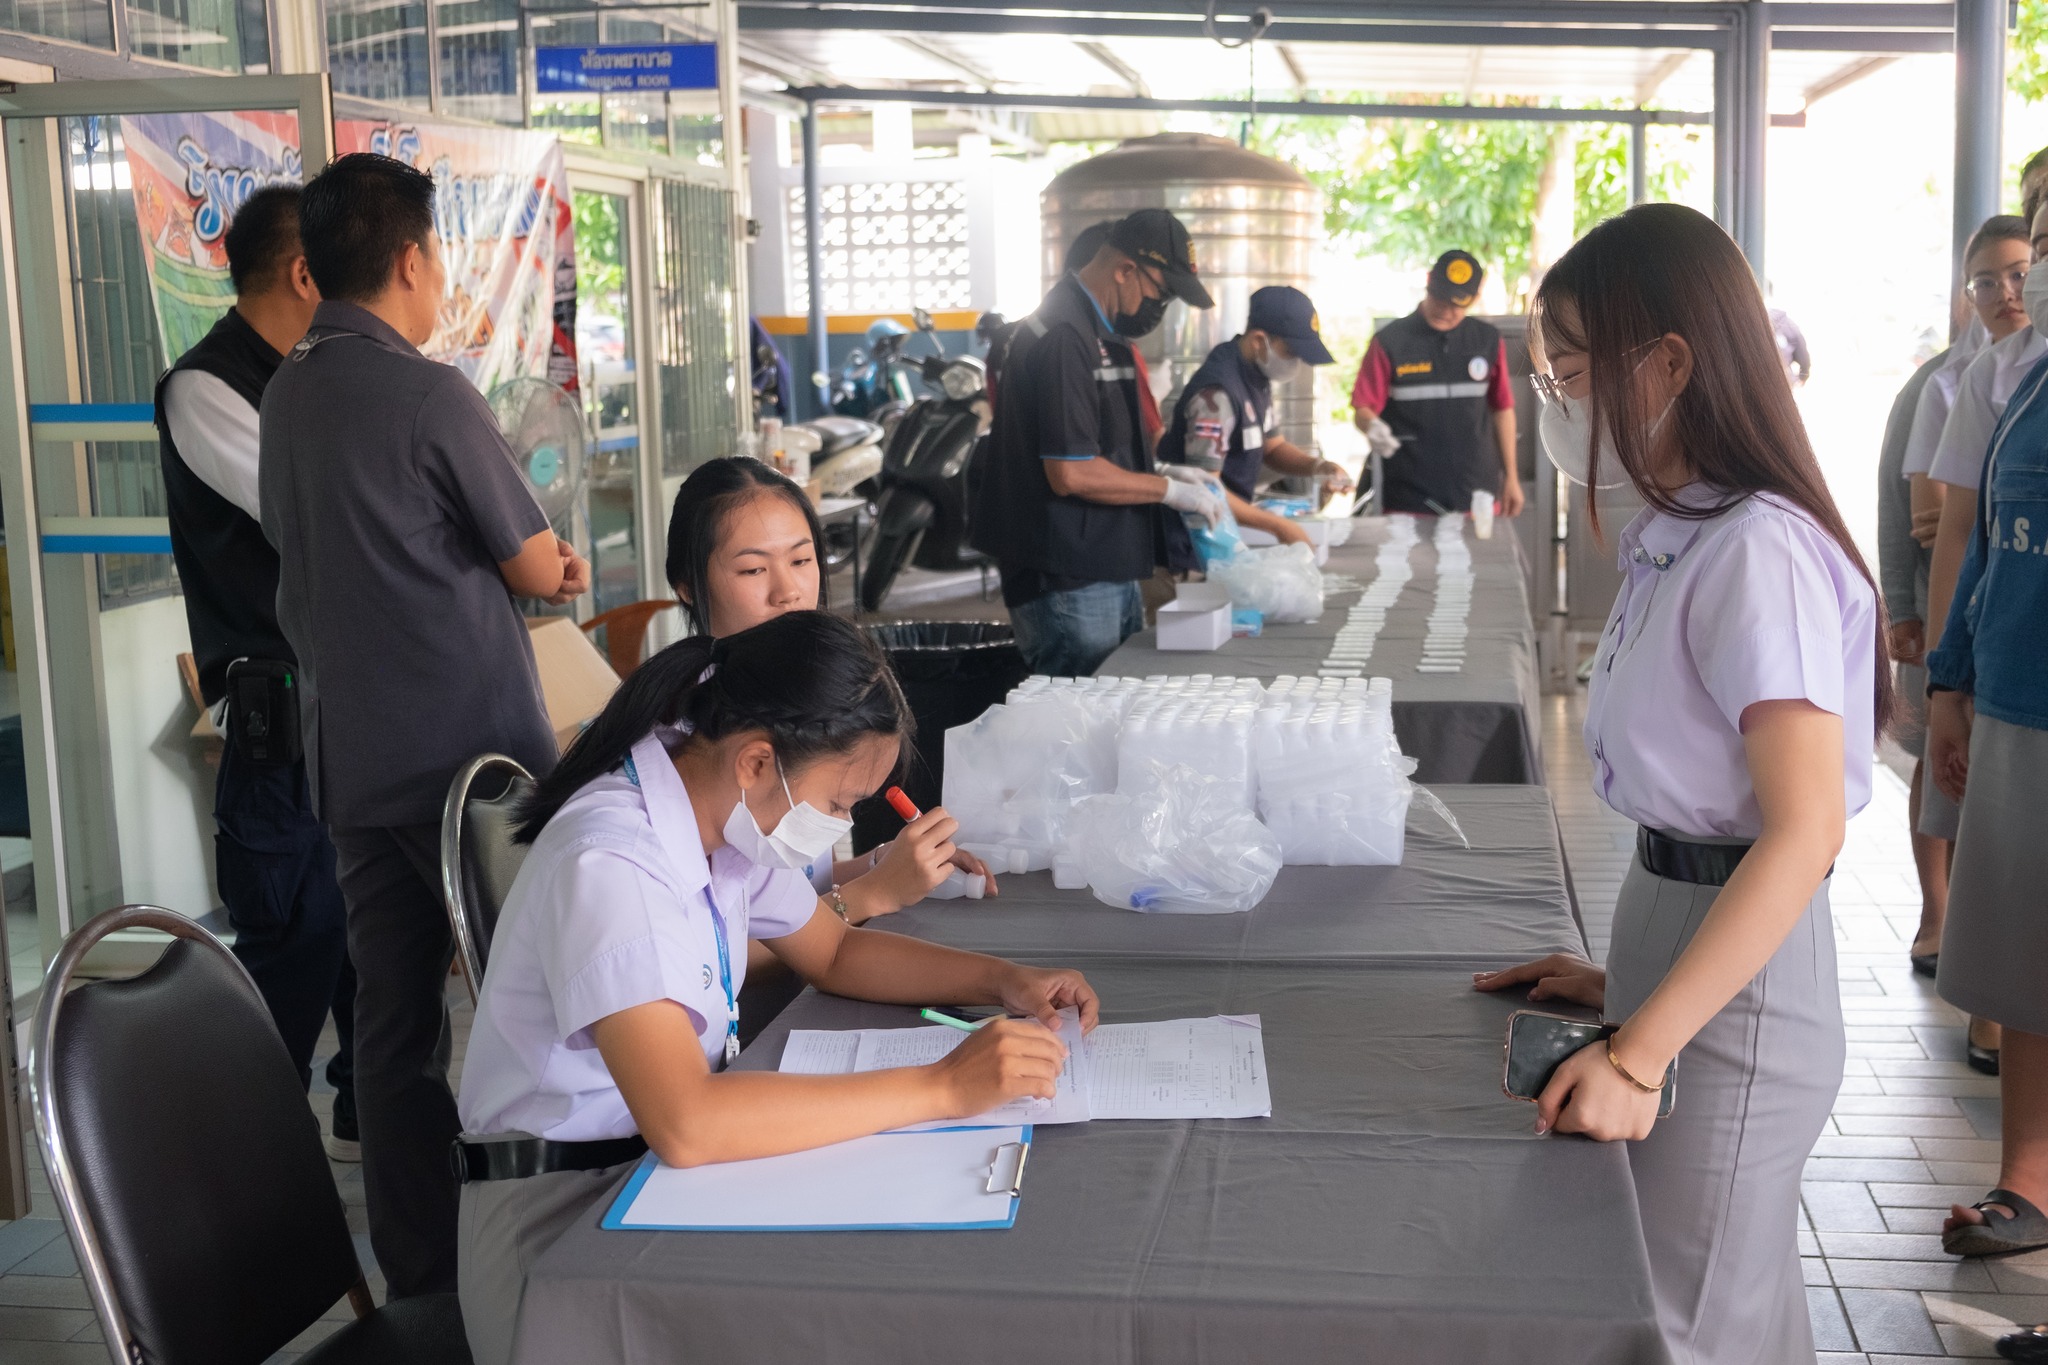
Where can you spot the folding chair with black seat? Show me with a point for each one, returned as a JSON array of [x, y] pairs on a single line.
[[189, 1171], [478, 857]]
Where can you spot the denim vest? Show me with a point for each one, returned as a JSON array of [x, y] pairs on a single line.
[[1994, 644]]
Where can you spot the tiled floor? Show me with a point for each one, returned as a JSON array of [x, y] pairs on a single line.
[[1914, 1129]]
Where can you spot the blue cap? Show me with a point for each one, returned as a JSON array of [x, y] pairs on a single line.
[[1283, 311]]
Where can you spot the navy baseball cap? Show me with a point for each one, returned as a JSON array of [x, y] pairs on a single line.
[[1161, 241], [1283, 311], [1455, 278]]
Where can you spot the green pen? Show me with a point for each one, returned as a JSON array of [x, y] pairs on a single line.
[[949, 1021]]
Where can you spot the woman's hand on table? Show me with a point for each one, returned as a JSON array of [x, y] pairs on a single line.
[[974, 867], [1041, 993], [1561, 976], [1587, 1096], [915, 862], [1003, 1060]]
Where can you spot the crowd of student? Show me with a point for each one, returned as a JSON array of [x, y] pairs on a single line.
[[351, 514]]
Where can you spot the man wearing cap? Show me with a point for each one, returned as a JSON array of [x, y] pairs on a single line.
[[1067, 500], [1432, 397], [1224, 419]]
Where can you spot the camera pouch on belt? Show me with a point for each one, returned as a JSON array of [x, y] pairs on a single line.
[[263, 710]]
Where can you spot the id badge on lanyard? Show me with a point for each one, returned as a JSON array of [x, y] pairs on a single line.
[[732, 1002]]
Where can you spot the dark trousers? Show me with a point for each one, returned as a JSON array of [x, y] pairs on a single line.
[[398, 935], [275, 869]]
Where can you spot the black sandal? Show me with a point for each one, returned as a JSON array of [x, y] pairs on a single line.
[[2030, 1345], [2023, 1229], [1924, 964]]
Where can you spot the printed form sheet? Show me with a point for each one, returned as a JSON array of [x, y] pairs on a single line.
[[1212, 1068]]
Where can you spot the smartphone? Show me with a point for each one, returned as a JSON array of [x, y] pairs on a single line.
[[1538, 1043]]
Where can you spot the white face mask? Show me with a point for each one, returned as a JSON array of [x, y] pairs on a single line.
[[2034, 294], [1564, 428], [798, 840], [1280, 369]]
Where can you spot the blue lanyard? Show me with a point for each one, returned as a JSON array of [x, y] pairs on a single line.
[[732, 1003]]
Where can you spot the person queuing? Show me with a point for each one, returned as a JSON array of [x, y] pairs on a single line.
[[1735, 702], [1067, 502], [742, 542], [1987, 738], [1223, 421], [403, 531], [1432, 398], [1994, 269], [272, 861], [672, 833]]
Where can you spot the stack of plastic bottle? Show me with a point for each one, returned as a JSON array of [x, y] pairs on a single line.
[[1202, 722], [1332, 783]]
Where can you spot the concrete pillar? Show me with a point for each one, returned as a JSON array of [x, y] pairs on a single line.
[[814, 260], [1980, 110]]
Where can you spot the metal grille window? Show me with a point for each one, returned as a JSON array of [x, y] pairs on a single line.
[[888, 247], [78, 21], [119, 353], [694, 320], [377, 50]]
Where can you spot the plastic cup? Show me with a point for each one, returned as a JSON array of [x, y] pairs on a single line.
[[1482, 514]]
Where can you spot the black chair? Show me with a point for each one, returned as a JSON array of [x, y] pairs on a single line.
[[478, 858], [189, 1170]]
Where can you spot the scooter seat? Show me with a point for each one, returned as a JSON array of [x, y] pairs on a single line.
[[843, 433]]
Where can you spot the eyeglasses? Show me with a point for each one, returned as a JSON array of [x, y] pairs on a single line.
[[1987, 288], [1551, 389]]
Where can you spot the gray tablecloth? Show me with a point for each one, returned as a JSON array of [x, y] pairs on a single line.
[[1480, 725], [1395, 1208], [1506, 895]]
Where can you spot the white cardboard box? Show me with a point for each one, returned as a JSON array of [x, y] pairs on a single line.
[[1318, 529], [1197, 618]]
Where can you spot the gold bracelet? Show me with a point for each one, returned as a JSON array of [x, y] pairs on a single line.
[[1626, 1074]]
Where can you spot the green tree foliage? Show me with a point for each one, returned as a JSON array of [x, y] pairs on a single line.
[[600, 246], [2026, 66]]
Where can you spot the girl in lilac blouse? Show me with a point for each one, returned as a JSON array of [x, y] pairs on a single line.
[[1734, 705]]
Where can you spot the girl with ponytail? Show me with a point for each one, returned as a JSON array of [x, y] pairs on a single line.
[[672, 833]]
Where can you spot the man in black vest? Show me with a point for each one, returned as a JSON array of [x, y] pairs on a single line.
[[1067, 500], [272, 860], [1432, 397], [1224, 419]]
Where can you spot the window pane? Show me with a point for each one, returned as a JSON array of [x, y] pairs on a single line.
[[377, 50], [479, 58], [77, 21], [693, 324], [204, 33]]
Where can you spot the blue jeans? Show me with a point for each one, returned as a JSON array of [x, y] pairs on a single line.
[[1069, 634]]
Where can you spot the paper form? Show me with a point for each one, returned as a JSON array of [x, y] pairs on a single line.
[[1211, 1068], [820, 1052]]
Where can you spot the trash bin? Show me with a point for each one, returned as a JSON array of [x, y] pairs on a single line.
[[951, 672]]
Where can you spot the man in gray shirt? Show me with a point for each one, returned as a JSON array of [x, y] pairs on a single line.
[[404, 531]]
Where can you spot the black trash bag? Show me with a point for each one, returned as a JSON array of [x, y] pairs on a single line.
[[951, 672]]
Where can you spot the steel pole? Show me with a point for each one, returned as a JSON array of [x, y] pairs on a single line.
[[1980, 108], [814, 260], [1638, 163], [1753, 51]]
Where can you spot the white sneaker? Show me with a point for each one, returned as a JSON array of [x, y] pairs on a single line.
[[343, 1150]]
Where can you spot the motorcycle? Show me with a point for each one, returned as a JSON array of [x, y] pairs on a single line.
[[921, 516], [845, 460], [875, 384]]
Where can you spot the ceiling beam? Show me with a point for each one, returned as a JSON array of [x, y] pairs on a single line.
[[1830, 14], [1294, 71], [1441, 113], [1117, 66], [1664, 70], [944, 57], [1847, 76]]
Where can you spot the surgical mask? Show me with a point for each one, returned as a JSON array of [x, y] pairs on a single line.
[[1142, 323], [1565, 428], [1280, 369], [798, 840], [2034, 294]]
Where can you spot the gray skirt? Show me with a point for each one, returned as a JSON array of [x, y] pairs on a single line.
[[1718, 1181], [1938, 814], [503, 1228], [1994, 945]]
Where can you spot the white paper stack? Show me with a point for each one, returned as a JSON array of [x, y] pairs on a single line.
[[1443, 645], [1359, 632]]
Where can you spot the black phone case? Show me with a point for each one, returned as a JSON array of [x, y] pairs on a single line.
[[1553, 1046], [263, 710]]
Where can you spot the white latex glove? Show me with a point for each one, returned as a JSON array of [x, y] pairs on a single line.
[[1187, 473], [1335, 475], [1198, 496], [1380, 439]]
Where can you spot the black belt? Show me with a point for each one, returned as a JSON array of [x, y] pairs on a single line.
[[1679, 861], [515, 1156]]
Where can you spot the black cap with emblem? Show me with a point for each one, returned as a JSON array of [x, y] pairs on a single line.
[[1455, 278], [1156, 238]]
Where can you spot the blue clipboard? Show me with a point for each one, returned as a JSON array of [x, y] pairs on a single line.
[[937, 1180]]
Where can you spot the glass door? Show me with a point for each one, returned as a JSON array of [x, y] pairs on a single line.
[[607, 354]]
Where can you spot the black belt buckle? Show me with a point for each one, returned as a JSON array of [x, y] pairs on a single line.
[[515, 1156], [1678, 860]]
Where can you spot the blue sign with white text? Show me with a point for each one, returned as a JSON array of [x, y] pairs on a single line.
[[620, 67]]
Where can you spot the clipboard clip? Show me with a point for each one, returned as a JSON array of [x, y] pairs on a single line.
[[1006, 1172]]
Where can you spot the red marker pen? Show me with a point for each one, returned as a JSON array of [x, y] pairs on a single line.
[[901, 804]]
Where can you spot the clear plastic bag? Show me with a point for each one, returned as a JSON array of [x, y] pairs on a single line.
[[1013, 774], [1181, 843], [1280, 581]]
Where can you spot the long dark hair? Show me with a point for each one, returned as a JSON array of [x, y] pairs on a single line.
[[813, 682], [1664, 269], [713, 489]]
